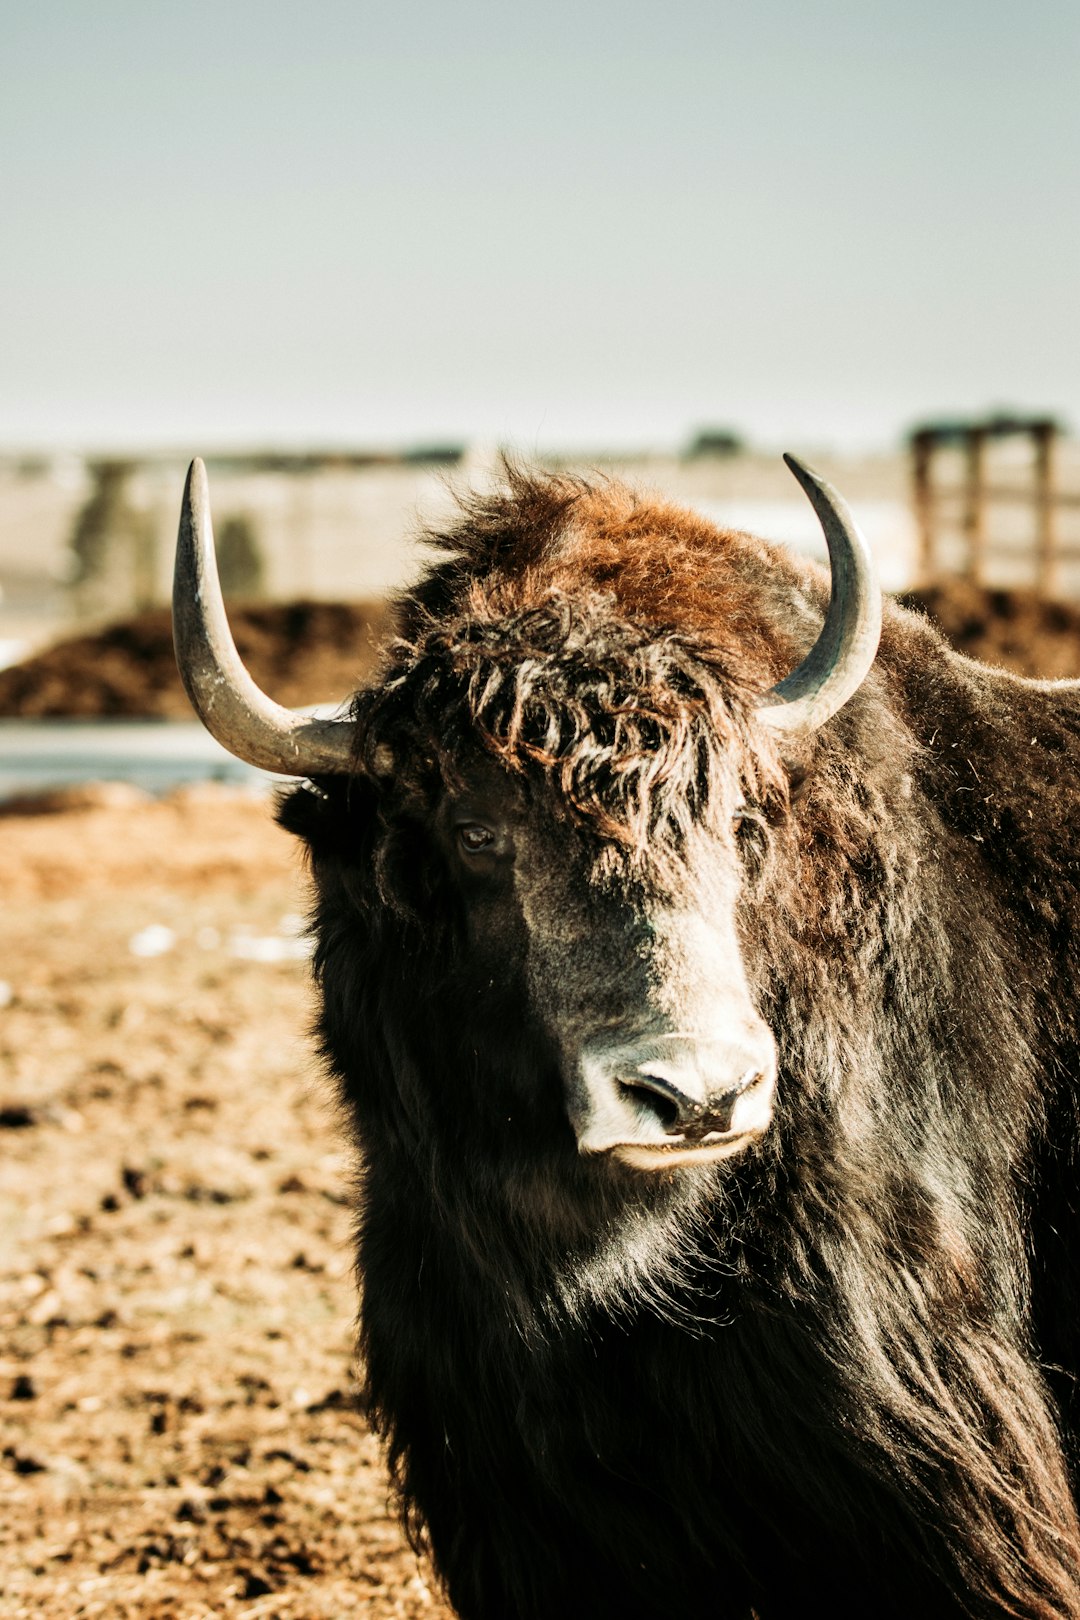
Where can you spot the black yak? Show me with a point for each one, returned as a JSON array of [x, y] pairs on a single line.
[[710, 1038]]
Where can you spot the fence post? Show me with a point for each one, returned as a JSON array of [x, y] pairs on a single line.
[[975, 502], [922, 453], [1044, 435]]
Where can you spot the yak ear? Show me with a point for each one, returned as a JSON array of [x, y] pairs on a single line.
[[313, 811], [799, 758], [800, 776], [335, 816]]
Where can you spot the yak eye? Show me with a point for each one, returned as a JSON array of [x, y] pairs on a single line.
[[748, 823], [474, 838]]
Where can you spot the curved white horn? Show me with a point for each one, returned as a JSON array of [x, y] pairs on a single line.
[[226, 699], [841, 657]]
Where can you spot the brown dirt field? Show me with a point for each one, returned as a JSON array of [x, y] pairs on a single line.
[[179, 1434]]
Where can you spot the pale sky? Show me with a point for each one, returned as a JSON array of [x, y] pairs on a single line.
[[550, 225]]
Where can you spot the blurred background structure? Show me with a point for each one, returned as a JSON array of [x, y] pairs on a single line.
[[84, 540]]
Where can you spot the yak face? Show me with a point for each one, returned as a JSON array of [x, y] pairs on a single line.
[[560, 811], [637, 985]]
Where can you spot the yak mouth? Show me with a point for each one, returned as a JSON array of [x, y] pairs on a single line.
[[679, 1153]]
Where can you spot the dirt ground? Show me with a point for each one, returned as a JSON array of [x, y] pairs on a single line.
[[179, 1432]]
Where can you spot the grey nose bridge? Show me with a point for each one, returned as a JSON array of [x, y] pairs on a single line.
[[688, 1064], [660, 1036]]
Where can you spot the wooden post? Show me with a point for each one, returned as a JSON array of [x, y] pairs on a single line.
[[922, 455], [975, 502], [1044, 435]]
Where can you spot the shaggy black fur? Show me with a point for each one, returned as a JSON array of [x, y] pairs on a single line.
[[837, 1373]]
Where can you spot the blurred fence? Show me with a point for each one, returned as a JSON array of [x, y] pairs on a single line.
[[998, 501]]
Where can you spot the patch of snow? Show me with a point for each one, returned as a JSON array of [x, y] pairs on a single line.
[[154, 940]]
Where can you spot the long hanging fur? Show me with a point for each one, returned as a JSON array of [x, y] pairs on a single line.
[[839, 1373]]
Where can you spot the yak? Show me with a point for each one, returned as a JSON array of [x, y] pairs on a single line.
[[699, 983]]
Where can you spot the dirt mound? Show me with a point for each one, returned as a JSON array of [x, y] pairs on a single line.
[[1016, 629], [319, 652], [299, 652]]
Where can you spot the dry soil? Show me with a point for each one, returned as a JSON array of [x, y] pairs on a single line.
[[179, 1431]]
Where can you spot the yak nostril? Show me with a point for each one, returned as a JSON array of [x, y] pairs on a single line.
[[661, 1099], [676, 1112]]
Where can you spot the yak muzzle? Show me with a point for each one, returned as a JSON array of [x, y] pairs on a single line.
[[672, 1099]]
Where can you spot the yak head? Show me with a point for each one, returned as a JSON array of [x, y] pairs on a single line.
[[564, 806], [534, 840]]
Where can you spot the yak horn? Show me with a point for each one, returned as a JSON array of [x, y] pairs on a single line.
[[840, 659], [226, 699]]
